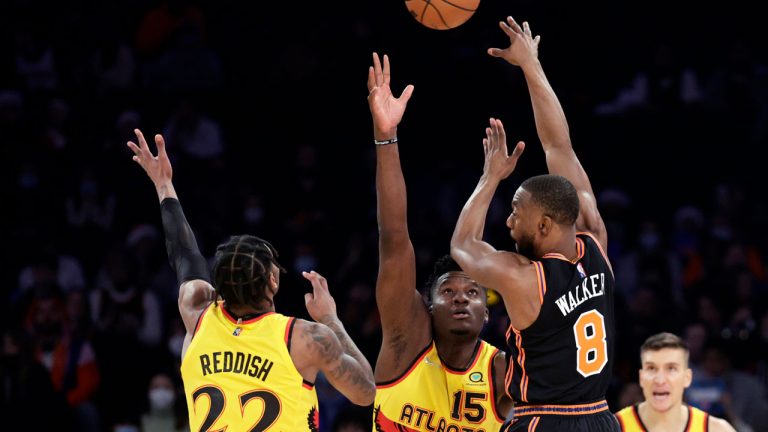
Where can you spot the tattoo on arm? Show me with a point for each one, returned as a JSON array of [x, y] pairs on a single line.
[[347, 364]]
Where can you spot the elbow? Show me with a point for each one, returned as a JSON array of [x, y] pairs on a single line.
[[367, 397], [459, 253]]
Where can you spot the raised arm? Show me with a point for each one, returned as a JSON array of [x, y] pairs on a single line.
[[404, 319], [551, 124], [325, 346], [508, 273], [195, 291]]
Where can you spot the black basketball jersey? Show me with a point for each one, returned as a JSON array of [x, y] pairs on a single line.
[[566, 356]]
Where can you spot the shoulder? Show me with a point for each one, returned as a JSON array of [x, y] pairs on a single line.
[[626, 411], [716, 424], [499, 364], [499, 359], [194, 297]]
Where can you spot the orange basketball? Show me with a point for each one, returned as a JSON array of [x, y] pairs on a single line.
[[442, 14]]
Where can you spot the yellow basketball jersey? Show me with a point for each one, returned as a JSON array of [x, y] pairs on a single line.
[[430, 396], [240, 377], [629, 418]]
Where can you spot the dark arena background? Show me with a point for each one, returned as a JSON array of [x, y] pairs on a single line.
[[263, 106]]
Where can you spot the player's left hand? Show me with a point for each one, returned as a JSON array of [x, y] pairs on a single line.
[[319, 302], [498, 163]]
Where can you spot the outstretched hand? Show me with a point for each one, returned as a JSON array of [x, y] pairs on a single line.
[[386, 109], [319, 302], [523, 47], [158, 168], [499, 164]]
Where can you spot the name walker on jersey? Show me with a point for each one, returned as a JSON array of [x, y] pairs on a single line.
[[591, 286]]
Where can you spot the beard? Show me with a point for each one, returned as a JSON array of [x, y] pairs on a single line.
[[525, 246]]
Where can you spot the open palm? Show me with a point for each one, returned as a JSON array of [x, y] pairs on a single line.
[[386, 109]]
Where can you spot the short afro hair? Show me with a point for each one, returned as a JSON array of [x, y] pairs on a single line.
[[556, 196], [443, 265]]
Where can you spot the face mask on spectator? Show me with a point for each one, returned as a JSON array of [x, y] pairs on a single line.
[[161, 399]]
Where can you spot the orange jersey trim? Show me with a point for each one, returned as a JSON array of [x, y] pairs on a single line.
[[289, 332], [521, 362], [200, 319], [492, 385], [541, 280], [599, 246], [580, 249], [419, 358], [533, 424]]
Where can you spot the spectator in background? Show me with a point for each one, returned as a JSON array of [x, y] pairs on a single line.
[[26, 386], [725, 392], [664, 375], [69, 358], [167, 411], [666, 84], [48, 268], [128, 323], [159, 25]]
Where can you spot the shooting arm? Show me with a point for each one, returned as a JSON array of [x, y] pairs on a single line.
[[552, 128]]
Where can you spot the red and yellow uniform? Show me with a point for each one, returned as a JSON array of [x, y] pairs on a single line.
[[240, 376], [431, 396], [629, 418]]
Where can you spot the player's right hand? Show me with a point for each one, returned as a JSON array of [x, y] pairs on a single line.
[[523, 47], [499, 164], [386, 109], [158, 168]]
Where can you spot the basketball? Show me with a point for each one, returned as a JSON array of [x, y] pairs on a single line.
[[442, 14]]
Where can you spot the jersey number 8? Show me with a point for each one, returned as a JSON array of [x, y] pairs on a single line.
[[591, 346]]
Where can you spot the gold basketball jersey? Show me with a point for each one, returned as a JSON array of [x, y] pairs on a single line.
[[629, 418], [240, 376], [430, 396]]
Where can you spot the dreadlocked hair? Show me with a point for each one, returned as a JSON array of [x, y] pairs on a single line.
[[241, 270]]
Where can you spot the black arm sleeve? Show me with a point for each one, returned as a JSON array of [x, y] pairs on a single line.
[[181, 245]]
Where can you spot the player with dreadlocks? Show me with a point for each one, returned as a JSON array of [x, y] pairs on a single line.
[[243, 365]]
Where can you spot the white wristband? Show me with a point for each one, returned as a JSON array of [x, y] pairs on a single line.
[[385, 142]]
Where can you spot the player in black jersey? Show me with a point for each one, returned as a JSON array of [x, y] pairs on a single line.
[[558, 288]]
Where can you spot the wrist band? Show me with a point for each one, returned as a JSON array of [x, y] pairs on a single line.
[[385, 142]]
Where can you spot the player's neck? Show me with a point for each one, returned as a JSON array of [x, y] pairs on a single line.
[[457, 352], [245, 311], [673, 419], [563, 244]]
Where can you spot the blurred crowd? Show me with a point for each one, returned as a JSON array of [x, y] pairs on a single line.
[[91, 331]]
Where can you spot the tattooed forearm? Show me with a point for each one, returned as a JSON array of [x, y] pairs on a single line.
[[345, 366], [321, 342], [346, 342]]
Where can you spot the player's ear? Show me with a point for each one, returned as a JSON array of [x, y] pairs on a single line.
[[273, 279], [487, 316], [545, 225], [688, 377]]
